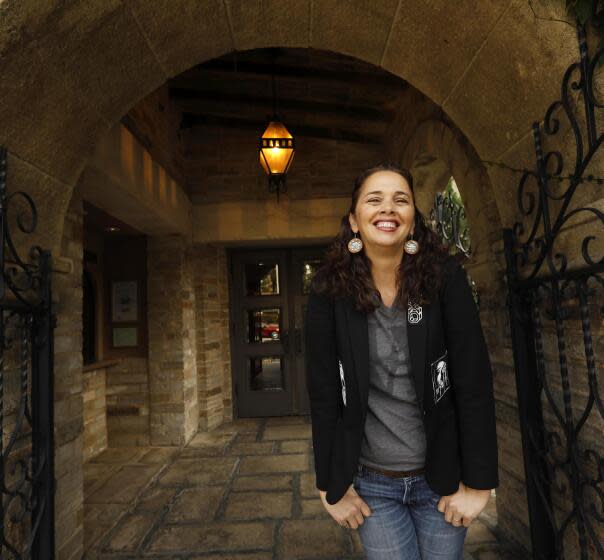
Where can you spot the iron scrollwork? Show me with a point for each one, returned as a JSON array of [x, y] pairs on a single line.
[[26, 388], [449, 221], [537, 247], [565, 481]]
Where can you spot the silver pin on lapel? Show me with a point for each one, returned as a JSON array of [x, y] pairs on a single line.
[[414, 313]]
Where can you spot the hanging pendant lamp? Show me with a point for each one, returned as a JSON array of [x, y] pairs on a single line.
[[276, 147]]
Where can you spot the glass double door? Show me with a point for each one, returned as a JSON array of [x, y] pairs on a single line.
[[269, 289]]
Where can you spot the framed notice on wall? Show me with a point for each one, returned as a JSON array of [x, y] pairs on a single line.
[[124, 336], [124, 302]]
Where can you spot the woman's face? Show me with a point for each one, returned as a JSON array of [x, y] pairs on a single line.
[[384, 214]]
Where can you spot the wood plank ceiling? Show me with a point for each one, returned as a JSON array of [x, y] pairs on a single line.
[[319, 94]]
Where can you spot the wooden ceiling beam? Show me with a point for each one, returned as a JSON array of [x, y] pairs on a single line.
[[183, 96], [228, 67], [189, 120]]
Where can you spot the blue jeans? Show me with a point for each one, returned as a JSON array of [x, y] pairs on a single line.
[[405, 523]]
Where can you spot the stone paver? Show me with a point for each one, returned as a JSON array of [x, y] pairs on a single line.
[[120, 455], [159, 455], [295, 446], [232, 556], [210, 439], [96, 474], [313, 508], [155, 498], [130, 533], [98, 519], [247, 436], [124, 485], [308, 488], [213, 537], [255, 505], [195, 504], [295, 431], [210, 470], [287, 420], [243, 491], [251, 448], [313, 538], [273, 463], [263, 482], [479, 533]]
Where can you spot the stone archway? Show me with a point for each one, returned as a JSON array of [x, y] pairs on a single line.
[[70, 72], [434, 144], [93, 61]]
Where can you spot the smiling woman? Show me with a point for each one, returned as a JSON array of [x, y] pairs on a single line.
[[384, 214], [406, 448]]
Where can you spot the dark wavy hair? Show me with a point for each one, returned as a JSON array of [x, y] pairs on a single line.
[[345, 274]]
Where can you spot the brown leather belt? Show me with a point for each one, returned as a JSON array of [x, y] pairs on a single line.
[[394, 474]]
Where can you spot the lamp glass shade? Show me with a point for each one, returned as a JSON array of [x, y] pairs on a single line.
[[277, 149]]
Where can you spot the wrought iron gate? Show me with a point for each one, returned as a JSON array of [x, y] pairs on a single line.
[[555, 296], [26, 388]]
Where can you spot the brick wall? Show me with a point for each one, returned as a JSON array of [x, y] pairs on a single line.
[[172, 361], [94, 396], [128, 402], [213, 355], [68, 387]]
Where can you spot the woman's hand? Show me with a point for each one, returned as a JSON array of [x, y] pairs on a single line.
[[464, 506], [349, 510]]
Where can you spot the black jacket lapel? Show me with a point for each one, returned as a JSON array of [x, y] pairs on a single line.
[[359, 342], [417, 333]]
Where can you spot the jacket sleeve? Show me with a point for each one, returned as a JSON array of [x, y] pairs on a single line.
[[322, 379], [472, 381]]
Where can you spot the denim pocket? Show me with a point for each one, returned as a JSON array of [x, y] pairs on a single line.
[[427, 494]]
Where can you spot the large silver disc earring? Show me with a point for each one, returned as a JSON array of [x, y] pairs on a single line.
[[355, 244], [411, 246]]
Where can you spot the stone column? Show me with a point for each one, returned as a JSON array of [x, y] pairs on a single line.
[[214, 372], [68, 384], [173, 401]]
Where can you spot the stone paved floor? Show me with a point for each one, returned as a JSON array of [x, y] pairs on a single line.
[[244, 491]]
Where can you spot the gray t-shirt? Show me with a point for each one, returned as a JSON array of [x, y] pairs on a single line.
[[394, 436]]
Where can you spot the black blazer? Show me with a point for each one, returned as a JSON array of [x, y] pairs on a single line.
[[453, 380]]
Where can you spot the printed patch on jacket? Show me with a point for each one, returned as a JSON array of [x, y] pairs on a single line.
[[342, 381], [414, 313], [440, 377]]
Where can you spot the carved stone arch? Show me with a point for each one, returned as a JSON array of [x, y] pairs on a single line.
[[434, 153], [93, 60]]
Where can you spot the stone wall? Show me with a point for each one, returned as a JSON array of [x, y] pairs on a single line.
[[212, 320], [94, 396], [172, 362], [154, 121], [68, 388], [222, 165], [128, 402]]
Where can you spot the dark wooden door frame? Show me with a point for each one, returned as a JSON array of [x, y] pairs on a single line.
[[291, 327]]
